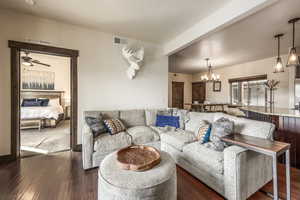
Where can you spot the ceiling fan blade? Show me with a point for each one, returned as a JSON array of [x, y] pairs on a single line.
[[38, 62]]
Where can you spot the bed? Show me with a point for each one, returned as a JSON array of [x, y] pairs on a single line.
[[44, 116]]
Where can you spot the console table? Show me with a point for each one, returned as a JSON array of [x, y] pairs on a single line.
[[267, 147]]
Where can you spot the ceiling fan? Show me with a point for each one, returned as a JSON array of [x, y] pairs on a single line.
[[28, 61]]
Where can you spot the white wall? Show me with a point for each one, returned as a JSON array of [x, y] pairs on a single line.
[[59, 65], [187, 79], [103, 84], [284, 96]]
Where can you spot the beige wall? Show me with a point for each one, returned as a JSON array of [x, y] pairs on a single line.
[[284, 96], [187, 79], [102, 81], [59, 65]]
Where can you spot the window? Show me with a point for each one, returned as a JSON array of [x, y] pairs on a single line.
[[249, 91], [297, 92]]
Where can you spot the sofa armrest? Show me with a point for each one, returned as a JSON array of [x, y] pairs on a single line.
[[245, 172], [87, 146]]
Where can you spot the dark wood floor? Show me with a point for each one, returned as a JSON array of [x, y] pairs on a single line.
[[60, 177]]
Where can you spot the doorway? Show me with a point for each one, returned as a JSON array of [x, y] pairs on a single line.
[[177, 94], [39, 90], [45, 104]]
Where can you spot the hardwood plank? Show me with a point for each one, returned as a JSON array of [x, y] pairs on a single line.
[[60, 176]]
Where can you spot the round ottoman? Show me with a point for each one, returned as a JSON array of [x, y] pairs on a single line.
[[158, 183]]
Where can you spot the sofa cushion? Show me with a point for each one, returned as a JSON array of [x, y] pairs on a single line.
[[177, 139], [105, 114], [133, 117], [195, 118], [142, 134], [107, 143], [249, 127], [200, 156], [161, 130], [151, 115]]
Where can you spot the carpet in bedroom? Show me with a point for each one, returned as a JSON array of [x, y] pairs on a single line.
[[46, 141]]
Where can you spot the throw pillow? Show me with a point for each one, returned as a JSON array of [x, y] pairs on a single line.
[[183, 116], [163, 120], [96, 124], [220, 128], [114, 126], [203, 133]]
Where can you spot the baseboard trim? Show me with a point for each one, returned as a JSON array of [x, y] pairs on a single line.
[[6, 158]]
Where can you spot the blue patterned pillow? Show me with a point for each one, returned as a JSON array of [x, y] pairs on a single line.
[[114, 126], [203, 133], [163, 120]]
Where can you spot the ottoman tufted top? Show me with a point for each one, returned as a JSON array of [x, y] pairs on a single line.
[[112, 174]]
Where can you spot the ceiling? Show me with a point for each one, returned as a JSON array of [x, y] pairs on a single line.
[[247, 40], [148, 20]]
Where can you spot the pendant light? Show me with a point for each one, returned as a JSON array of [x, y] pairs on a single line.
[[210, 76], [278, 66], [293, 59]]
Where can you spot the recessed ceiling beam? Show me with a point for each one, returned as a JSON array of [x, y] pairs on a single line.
[[232, 12]]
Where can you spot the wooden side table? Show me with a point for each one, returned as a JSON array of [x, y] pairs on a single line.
[[270, 148]]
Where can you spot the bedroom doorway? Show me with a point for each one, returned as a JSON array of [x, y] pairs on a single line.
[[45, 104], [44, 99]]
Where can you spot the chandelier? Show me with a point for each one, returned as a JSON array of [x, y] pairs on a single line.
[[210, 76]]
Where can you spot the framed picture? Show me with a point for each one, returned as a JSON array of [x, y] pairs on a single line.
[[217, 86], [38, 80]]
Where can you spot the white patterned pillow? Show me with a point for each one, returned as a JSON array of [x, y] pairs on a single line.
[[114, 126], [220, 128]]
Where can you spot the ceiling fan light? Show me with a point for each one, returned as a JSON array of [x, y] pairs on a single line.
[[278, 66], [30, 2], [293, 59], [26, 63]]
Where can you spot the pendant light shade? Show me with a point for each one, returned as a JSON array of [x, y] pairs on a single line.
[[278, 65], [293, 59]]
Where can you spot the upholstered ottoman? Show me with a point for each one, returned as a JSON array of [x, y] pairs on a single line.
[[158, 183]]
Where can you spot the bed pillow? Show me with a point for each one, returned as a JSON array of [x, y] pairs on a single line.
[[164, 120], [96, 124], [54, 102], [114, 126], [32, 102], [44, 101]]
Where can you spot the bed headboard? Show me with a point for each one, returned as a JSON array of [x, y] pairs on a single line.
[[42, 94]]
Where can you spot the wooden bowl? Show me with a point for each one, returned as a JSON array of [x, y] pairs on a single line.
[[138, 158]]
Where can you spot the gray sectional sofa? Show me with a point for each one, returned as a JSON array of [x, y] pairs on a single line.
[[235, 173]]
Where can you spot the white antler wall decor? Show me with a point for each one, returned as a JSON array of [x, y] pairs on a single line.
[[134, 58]]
